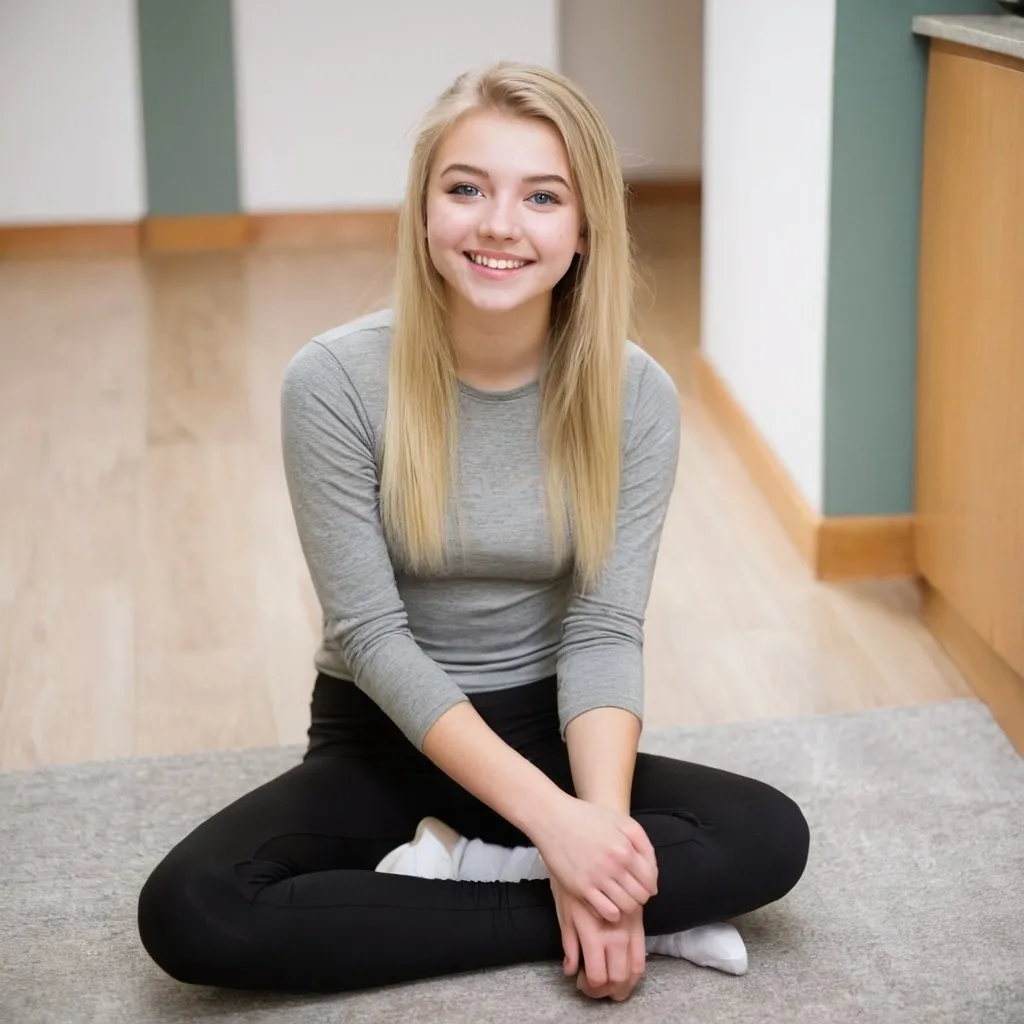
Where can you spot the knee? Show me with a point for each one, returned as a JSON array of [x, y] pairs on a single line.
[[784, 840], [180, 920]]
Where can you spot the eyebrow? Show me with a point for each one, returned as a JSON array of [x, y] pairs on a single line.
[[533, 179]]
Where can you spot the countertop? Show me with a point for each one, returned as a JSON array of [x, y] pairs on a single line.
[[998, 33]]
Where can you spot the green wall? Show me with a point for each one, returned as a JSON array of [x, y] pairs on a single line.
[[871, 318], [186, 57]]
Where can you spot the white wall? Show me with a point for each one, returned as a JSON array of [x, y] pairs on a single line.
[[767, 164], [71, 146], [329, 90], [640, 62]]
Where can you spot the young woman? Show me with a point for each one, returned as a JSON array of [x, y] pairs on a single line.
[[479, 480]]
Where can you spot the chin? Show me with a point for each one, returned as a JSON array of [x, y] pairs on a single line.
[[492, 300], [497, 303], [501, 300]]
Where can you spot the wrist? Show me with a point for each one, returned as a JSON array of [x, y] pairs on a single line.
[[540, 810], [611, 796]]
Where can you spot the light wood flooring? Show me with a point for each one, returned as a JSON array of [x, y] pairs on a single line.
[[153, 596]]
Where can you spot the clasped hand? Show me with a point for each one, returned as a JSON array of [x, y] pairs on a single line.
[[600, 856], [603, 871], [613, 955]]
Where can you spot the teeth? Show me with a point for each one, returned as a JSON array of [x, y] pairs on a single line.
[[497, 264]]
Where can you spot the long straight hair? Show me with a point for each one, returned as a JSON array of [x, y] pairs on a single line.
[[582, 382]]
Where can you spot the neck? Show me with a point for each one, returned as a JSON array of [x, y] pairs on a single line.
[[499, 351]]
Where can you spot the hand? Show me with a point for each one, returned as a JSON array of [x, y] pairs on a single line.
[[600, 856], [614, 955]]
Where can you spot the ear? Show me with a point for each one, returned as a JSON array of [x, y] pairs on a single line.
[[581, 245]]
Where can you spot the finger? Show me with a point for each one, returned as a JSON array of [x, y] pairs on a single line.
[[588, 990], [642, 844], [596, 968], [622, 899], [634, 889], [639, 838], [644, 871], [637, 951], [617, 958], [620, 993], [571, 945], [593, 956], [623, 990], [602, 906]]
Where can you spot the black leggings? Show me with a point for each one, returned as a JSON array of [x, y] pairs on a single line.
[[277, 891]]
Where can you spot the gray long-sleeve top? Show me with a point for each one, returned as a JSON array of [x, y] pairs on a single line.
[[500, 614]]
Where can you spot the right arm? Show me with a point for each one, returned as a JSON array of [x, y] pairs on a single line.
[[331, 474]]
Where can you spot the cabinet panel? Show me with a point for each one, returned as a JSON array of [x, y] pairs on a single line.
[[970, 425]]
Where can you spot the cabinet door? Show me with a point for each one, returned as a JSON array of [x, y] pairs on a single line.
[[970, 424]]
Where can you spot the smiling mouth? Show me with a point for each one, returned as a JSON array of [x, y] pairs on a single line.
[[489, 264]]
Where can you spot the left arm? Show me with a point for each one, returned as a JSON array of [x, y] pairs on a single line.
[[600, 674], [600, 660], [602, 746]]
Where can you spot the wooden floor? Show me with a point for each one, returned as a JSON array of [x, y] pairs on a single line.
[[153, 596]]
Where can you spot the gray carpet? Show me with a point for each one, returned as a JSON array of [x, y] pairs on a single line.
[[911, 910]]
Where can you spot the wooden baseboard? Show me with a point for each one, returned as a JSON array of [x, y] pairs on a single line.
[[101, 239], [344, 227], [866, 547], [834, 547], [195, 234], [202, 233], [988, 675], [670, 190]]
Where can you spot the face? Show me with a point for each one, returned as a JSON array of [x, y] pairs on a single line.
[[503, 219]]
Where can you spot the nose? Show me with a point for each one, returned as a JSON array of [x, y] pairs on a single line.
[[501, 219]]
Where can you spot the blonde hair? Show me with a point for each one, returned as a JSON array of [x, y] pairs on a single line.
[[582, 383]]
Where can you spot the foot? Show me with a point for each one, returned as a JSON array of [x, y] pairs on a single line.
[[434, 852], [488, 862], [711, 945]]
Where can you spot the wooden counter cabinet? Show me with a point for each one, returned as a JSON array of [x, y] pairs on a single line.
[[969, 528]]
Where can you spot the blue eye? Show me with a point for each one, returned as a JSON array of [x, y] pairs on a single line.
[[546, 195], [455, 191]]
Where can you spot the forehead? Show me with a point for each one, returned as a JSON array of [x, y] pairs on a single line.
[[504, 145]]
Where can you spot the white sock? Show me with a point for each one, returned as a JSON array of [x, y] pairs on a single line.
[[434, 852], [489, 862], [438, 851], [710, 945]]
